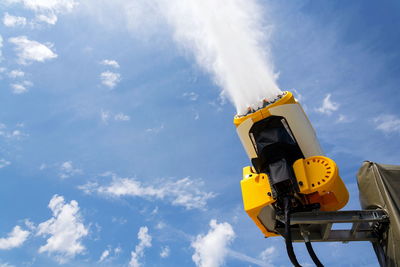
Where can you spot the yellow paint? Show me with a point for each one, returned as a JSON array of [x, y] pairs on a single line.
[[318, 177], [256, 193]]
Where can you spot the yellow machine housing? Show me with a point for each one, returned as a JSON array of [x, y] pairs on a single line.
[[317, 176]]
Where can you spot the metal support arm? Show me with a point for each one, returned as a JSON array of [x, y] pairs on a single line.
[[317, 226]]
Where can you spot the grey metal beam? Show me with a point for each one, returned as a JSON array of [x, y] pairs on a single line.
[[335, 236], [348, 216], [317, 226]]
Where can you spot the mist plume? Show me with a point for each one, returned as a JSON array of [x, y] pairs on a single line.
[[228, 39]]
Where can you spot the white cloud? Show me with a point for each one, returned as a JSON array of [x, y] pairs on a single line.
[[13, 21], [30, 225], [268, 254], [1, 55], [117, 250], [11, 134], [66, 230], [47, 18], [104, 255], [20, 88], [192, 96], [121, 117], [328, 106], [110, 79], [47, 5], [299, 97], [4, 163], [109, 254], [164, 252], [343, 119], [47, 10], [184, 192], [155, 130], [14, 239], [42, 166], [104, 115], [251, 260], [144, 242], [16, 74], [16, 134], [160, 225], [387, 123], [120, 220], [6, 264], [109, 62], [29, 51], [67, 170], [154, 211], [211, 249]]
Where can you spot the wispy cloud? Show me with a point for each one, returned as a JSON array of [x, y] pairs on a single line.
[[49, 18], [165, 251], [67, 170], [5, 264], [109, 254], [16, 74], [1, 53], [110, 79], [245, 258], [11, 134], [4, 163], [66, 230], [104, 255], [105, 116], [109, 62], [343, 119], [29, 51], [192, 96], [212, 248], [155, 130], [14, 239], [185, 192], [13, 21], [20, 88], [328, 106], [144, 242], [268, 254], [387, 123], [121, 117]]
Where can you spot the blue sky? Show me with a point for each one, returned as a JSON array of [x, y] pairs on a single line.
[[116, 148]]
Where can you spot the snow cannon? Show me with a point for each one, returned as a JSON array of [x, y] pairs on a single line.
[[289, 172]]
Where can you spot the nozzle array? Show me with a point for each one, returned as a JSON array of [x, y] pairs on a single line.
[[265, 103]]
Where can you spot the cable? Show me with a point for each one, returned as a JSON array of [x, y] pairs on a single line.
[[288, 235], [313, 255]]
